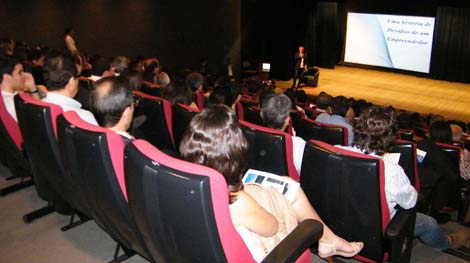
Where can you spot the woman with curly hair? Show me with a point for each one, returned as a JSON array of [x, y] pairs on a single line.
[[374, 133], [263, 217]]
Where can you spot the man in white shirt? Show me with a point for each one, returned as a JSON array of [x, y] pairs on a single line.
[[112, 103], [14, 80], [62, 83], [275, 113]]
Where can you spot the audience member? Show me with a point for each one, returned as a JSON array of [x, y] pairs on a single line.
[[151, 68], [120, 64], [101, 68], [184, 95], [215, 139], [62, 82], [112, 104], [375, 132], [464, 163], [135, 79], [14, 80], [339, 109], [70, 41], [275, 113], [437, 172], [323, 102]]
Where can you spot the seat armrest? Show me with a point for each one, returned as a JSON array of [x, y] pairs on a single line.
[[399, 235], [295, 244], [397, 225]]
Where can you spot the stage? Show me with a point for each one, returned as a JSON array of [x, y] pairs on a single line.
[[449, 99]]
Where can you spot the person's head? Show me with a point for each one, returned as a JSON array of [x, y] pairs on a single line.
[[441, 132], [111, 102], [151, 65], [374, 130], [301, 96], [339, 106], [457, 132], [221, 95], [120, 64], [323, 101], [290, 93], [69, 31], [135, 79], [162, 79], [301, 49], [7, 47], [275, 111], [102, 67], [195, 81], [11, 74], [61, 73], [37, 57], [214, 139], [181, 94]]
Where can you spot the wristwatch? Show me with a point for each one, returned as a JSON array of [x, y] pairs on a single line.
[[32, 91]]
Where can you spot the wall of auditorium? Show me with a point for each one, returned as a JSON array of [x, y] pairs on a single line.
[[178, 32]]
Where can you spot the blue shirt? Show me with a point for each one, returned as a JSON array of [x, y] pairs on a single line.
[[337, 120]]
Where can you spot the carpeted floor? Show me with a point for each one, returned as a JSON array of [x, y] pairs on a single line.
[[42, 241]]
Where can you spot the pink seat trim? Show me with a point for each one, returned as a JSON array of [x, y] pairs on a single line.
[[166, 110], [11, 126], [233, 245], [321, 124], [289, 147], [383, 200], [188, 108], [54, 109], [115, 145]]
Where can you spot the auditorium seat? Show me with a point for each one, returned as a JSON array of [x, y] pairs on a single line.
[[157, 127], [269, 150], [309, 129], [182, 116], [347, 190], [11, 153], [453, 152], [242, 107], [253, 115], [96, 158], [408, 160], [312, 113], [182, 211], [37, 121]]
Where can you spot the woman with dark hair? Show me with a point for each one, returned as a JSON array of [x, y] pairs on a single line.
[[375, 132], [263, 217], [436, 171]]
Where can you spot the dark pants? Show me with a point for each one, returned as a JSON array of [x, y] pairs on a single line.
[[298, 74]]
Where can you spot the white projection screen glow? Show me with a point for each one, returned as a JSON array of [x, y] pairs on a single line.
[[392, 41]]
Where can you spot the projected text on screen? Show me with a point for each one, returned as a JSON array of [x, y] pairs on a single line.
[[401, 42]]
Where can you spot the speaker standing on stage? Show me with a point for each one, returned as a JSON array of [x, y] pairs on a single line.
[[300, 65]]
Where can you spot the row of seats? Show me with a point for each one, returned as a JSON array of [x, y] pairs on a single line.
[[139, 195], [85, 150]]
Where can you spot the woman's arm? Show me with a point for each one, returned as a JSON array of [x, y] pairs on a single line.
[[246, 212]]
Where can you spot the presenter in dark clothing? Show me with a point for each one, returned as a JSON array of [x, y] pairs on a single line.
[[300, 65]]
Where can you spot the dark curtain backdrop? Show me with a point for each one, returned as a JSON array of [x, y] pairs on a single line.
[[325, 33], [451, 50], [180, 33]]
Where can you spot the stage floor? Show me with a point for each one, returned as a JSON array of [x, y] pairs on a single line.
[[449, 99]]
